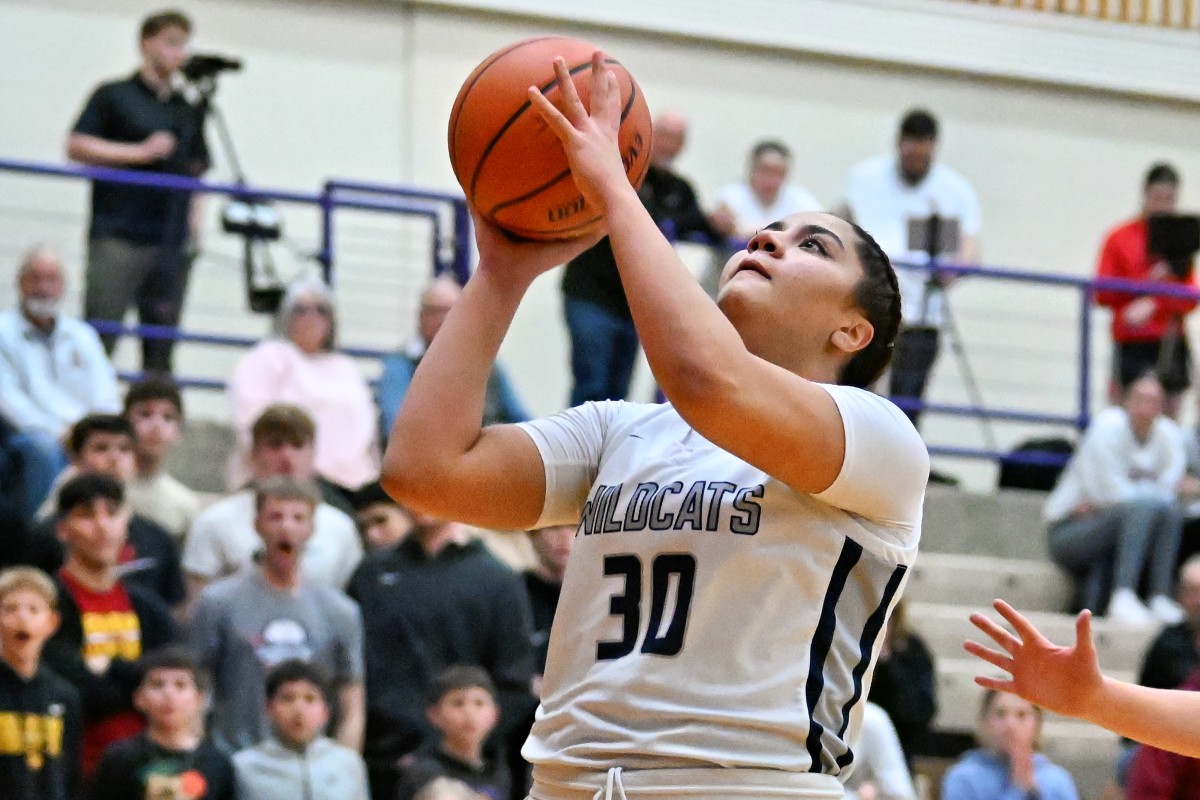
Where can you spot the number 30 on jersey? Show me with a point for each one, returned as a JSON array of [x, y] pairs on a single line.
[[672, 579]]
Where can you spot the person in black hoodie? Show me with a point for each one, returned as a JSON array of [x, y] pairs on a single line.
[[905, 686], [172, 757], [107, 624], [435, 599], [40, 724], [463, 710]]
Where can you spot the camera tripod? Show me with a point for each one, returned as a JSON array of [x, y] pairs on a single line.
[[935, 289]]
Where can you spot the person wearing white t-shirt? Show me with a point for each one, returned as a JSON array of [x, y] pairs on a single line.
[[764, 197], [738, 549], [885, 194], [883, 772], [1114, 513], [223, 541]]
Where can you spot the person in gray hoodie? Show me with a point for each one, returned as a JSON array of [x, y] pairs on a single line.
[[297, 760]]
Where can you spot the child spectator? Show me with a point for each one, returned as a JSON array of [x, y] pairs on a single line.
[[270, 613], [381, 520], [223, 540], [1007, 765], [154, 408], [297, 759], [464, 711], [40, 721], [107, 624], [103, 444], [172, 757]]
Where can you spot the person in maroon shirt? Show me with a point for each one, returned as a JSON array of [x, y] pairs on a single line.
[[107, 625], [1162, 775], [1147, 331]]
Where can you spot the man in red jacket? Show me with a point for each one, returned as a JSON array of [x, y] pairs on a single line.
[[1147, 331], [1159, 775]]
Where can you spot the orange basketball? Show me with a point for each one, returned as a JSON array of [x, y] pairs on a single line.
[[508, 160]]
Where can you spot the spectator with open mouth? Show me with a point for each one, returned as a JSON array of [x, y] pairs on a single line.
[[260, 617]]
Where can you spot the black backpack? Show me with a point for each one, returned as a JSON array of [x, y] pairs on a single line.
[[1035, 464]]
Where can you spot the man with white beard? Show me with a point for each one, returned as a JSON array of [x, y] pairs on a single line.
[[53, 372]]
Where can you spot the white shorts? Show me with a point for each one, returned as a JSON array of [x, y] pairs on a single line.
[[715, 783]]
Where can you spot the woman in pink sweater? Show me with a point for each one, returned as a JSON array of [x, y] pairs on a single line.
[[300, 365]]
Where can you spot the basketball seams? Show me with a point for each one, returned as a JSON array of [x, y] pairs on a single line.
[[469, 84], [633, 95], [491, 145], [520, 152]]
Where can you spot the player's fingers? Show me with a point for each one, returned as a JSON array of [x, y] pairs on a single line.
[[1083, 634], [612, 106], [993, 683], [606, 95], [561, 126], [1020, 623], [993, 657], [599, 84], [998, 634], [572, 106]]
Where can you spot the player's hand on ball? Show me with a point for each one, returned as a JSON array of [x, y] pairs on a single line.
[[589, 137], [522, 260]]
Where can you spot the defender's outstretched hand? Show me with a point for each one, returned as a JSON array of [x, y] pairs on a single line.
[[1061, 679], [1068, 680], [589, 138]]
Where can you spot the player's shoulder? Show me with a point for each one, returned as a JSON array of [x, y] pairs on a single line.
[[863, 402]]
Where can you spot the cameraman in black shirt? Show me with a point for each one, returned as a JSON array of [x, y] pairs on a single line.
[[137, 242]]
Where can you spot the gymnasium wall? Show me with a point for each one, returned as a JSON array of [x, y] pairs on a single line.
[[363, 90]]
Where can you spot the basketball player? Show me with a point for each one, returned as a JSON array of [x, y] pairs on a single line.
[[738, 549], [1067, 680]]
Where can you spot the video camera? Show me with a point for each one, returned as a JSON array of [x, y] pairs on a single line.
[[208, 65]]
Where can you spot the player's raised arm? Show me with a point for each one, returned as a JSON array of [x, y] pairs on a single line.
[[439, 459], [791, 314], [1067, 680]]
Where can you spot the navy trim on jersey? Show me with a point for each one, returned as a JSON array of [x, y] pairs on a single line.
[[822, 642], [867, 646]]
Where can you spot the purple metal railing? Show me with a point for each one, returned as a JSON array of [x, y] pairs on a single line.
[[335, 194], [452, 251]]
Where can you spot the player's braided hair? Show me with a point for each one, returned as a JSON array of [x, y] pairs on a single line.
[[878, 297]]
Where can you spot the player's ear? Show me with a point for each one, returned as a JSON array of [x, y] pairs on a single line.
[[855, 334]]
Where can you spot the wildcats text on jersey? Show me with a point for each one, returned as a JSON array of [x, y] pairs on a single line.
[[704, 506]]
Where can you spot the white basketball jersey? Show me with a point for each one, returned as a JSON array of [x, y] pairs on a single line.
[[710, 615]]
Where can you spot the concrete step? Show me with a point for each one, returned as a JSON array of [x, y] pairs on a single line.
[[972, 580], [1007, 523], [944, 628]]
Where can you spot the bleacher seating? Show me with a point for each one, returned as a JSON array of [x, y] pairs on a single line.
[[979, 547]]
